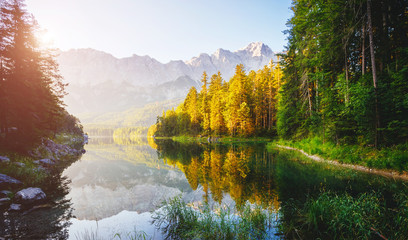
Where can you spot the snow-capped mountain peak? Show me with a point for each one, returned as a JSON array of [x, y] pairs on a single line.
[[256, 49]]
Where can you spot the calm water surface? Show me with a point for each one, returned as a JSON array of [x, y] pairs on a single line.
[[118, 183]]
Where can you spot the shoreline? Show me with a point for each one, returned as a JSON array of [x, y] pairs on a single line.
[[382, 172], [29, 175], [389, 173]]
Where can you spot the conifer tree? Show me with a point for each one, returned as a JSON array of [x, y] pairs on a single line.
[[31, 88]]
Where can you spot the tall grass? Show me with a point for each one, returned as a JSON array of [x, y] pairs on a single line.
[[93, 234], [365, 216], [177, 220]]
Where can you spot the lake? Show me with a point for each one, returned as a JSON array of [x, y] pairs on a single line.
[[111, 192]]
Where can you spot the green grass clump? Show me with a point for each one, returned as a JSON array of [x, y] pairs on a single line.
[[331, 216], [177, 220], [28, 174]]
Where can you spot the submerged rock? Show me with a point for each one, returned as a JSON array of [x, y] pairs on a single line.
[[6, 181], [4, 159], [30, 196]]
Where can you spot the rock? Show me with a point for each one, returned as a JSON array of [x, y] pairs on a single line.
[[19, 164], [86, 138], [4, 159], [5, 194], [45, 162], [30, 196], [15, 207], [6, 181]]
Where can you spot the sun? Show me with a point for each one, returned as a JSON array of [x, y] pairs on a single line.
[[45, 38]]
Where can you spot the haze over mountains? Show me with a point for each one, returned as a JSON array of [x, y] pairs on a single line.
[[99, 83]]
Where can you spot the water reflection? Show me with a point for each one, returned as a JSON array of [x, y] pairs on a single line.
[[243, 172], [119, 175], [47, 221], [270, 178], [118, 182]]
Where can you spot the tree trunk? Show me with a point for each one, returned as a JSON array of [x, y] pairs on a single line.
[[374, 72]]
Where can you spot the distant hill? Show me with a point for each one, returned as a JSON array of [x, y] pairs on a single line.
[[100, 84], [134, 116]]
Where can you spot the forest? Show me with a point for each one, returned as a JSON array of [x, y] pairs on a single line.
[[243, 106], [31, 89], [343, 79]]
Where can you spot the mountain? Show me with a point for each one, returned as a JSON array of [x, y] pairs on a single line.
[[99, 83]]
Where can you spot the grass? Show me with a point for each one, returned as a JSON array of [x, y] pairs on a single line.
[[30, 174], [177, 220], [331, 216], [94, 235], [392, 158]]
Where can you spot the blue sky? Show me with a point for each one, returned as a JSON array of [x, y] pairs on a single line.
[[163, 29]]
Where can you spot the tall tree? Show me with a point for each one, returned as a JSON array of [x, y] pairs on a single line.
[[31, 86]]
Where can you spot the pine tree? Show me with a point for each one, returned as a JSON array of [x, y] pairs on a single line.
[[31, 87]]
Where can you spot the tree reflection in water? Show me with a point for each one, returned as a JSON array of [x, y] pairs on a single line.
[[47, 221], [242, 171]]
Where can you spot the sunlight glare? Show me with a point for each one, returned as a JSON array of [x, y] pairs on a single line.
[[45, 38]]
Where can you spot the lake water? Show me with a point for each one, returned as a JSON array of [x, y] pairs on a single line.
[[112, 190]]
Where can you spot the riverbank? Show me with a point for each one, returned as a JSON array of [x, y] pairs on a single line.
[[23, 177], [389, 162]]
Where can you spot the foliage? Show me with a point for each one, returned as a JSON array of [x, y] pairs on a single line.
[[329, 86], [395, 157], [245, 106], [176, 220], [343, 216]]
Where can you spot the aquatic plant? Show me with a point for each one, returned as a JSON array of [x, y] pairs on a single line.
[[178, 220]]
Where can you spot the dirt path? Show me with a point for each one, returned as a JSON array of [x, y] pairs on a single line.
[[385, 173]]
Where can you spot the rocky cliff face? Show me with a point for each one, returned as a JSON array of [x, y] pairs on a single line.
[[99, 82]]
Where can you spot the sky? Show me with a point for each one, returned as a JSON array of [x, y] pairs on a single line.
[[163, 29]]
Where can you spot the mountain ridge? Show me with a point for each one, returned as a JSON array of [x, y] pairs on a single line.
[[101, 83]]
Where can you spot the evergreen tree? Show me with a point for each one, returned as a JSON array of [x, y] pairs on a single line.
[[31, 88]]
